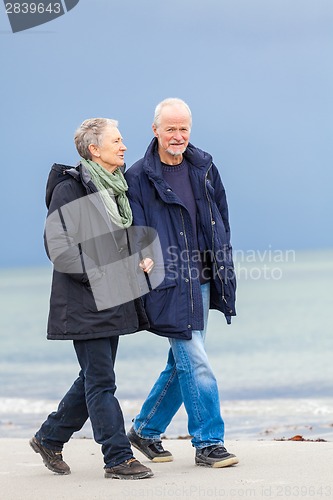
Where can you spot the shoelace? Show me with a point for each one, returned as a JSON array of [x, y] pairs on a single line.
[[158, 446], [131, 460]]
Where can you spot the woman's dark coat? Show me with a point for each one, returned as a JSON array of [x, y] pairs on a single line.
[[80, 240]]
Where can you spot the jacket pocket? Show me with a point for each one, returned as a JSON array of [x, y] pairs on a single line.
[[161, 307]]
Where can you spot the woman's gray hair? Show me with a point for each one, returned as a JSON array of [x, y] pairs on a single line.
[[170, 101], [91, 132]]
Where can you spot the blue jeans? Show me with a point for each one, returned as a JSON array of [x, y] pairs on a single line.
[[92, 394], [187, 378]]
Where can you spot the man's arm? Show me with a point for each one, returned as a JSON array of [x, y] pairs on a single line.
[[221, 199]]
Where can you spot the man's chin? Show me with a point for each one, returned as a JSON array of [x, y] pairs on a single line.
[[176, 153]]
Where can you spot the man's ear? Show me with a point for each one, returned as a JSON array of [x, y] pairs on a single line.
[[154, 130], [94, 150]]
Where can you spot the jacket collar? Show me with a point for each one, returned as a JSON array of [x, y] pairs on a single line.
[[194, 156], [200, 161], [60, 172]]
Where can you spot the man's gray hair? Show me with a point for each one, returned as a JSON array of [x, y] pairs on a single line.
[[91, 132], [170, 101]]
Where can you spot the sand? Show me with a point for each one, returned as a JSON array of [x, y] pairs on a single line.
[[267, 470]]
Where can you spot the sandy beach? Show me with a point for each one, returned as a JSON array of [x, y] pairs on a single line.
[[267, 469]]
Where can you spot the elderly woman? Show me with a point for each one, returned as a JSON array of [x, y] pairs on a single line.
[[91, 302]]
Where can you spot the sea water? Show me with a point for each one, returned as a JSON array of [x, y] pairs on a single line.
[[273, 364]]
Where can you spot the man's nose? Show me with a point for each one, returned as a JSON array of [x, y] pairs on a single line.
[[178, 135], [123, 147]]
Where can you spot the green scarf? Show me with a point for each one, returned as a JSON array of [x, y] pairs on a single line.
[[118, 208]]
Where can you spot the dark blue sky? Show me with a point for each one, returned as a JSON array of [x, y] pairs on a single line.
[[257, 74]]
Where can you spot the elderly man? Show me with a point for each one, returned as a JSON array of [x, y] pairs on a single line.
[[177, 190], [86, 233]]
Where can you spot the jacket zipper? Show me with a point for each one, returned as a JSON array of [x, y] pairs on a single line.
[[189, 269], [212, 226]]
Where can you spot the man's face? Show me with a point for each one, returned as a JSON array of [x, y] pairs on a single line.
[[110, 153], [173, 133]]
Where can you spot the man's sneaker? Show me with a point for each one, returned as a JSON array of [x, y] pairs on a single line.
[[151, 448], [130, 469], [214, 456], [52, 459]]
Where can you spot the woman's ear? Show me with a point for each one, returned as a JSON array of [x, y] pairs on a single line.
[[94, 150]]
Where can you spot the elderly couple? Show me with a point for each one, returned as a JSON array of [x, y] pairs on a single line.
[[176, 191]]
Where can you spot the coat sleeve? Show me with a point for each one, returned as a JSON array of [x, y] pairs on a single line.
[[62, 236], [221, 199]]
